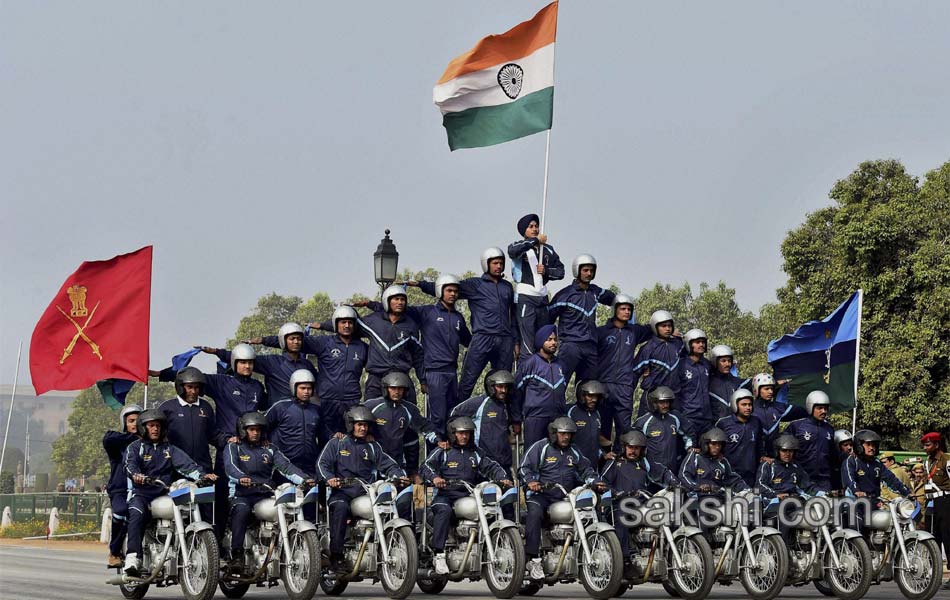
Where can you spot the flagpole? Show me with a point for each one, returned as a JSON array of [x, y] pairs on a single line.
[[146, 394], [857, 362], [6, 434]]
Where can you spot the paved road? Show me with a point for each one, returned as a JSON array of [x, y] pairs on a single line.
[[51, 574]]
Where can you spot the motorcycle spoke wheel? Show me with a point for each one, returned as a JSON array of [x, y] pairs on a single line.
[[853, 579], [506, 574], [200, 578], [300, 573], [918, 572], [398, 575], [767, 578]]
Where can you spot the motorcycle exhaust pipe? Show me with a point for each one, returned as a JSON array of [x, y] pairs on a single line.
[[426, 574]]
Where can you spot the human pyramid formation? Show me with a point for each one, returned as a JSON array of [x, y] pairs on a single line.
[[696, 424]]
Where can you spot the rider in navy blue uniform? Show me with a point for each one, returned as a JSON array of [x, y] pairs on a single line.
[[149, 459], [817, 439], [491, 414], [584, 412], [863, 473], [540, 388], [693, 396], [575, 310], [669, 434], [115, 443], [462, 460], [629, 474], [250, 465], [657, 361], [617, 342], [554, 460], [397, 428], [352, 456], [744, 437]]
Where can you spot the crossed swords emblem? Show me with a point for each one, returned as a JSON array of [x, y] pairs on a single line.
[[77, 295]]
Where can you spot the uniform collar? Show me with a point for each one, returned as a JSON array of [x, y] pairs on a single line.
[[183, 403]]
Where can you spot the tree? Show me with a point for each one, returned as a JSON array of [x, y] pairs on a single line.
[[890, 237]]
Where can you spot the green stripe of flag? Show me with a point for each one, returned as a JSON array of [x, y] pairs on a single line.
[[840, 387], [490, 125]]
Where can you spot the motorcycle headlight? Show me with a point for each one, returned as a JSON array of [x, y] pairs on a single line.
[[907, 509]]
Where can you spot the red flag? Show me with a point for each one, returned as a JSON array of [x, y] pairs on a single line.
[[97, 325]]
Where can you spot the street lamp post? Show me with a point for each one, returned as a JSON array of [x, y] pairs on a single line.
[[385, 263]]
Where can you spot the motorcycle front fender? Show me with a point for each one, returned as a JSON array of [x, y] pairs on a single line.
[[502, 524], [687, 531], [598, 527], [199, 526], [302, 526], [764, 532], [397, 522], [918, 536], [848, 534]]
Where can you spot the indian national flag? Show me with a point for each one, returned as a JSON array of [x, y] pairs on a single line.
[[503, 88]]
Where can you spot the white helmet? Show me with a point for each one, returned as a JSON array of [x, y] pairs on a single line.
[[285, 330], [243, 352], [343, 312], [719, 351], [391, 292], [691, 336], [581, 260], [300, 376], [621, 299], [760, 380], [737, 395], [816, 398], [660, 316], [128, 409], [488, 254], [444, 280]]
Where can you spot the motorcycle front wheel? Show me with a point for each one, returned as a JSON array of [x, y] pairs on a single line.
[[696, 578], [853, 579], [918, 572], [200, 579], [505, 575], [398, 576], [301, 573], [766, 580], [602, 576]]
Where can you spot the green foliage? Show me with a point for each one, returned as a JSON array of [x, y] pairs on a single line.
[[37, 527], [79, 451], [7, 482], [890, 237]]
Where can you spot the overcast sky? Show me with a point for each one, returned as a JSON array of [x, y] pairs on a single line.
[[264, 147]]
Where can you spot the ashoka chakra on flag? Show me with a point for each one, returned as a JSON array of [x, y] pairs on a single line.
[[510, 78]]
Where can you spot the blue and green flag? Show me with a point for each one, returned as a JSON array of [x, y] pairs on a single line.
[[114, 391], [822, 355]]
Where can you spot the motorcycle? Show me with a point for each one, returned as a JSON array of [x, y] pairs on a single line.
[[279, 545], [757, 557], [578, 545], [379, 545], [900, 552], [178, 548], [483, 544], [839, 562], [680, 560]]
